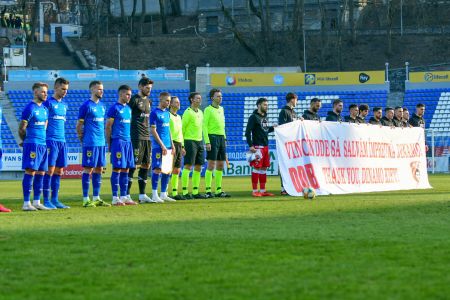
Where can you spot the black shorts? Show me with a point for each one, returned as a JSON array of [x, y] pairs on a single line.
[[194, 152], [177, 157], [142, 151], [218, 151]]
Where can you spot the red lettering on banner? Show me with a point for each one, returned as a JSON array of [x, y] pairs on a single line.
[[303, 176], [311, 176]]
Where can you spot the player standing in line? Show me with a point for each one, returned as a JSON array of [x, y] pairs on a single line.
[[91, 133], [257, 135], [178, 143], [335, 114], [2, 208], [312, 113], [363, 112], [398, 117], [353, 116], [215, 143], [406, 117], [417, 119], [287, 115], [388, 119], [32, 131], [377, 114], [56, 143], [161, 144], [192, 122], [140, 137], [119, 140]]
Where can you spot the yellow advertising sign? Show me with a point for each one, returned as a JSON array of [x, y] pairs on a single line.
[[297, 79], [425, 77]]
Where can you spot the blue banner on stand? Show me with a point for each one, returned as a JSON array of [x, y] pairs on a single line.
[[102, 75]]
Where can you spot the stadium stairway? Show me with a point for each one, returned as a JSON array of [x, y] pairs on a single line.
[[50, 56]]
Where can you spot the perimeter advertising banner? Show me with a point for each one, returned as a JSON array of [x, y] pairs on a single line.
[[341, 158], [13, 161], [297, 79], [103, 75], [427, 77]]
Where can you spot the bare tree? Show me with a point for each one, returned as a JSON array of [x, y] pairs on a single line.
[[297, 27], [389, 27], [238, 35], [141, 20], [351, 19], [123, 16], [162, 12], [176, 7], [35, 20]]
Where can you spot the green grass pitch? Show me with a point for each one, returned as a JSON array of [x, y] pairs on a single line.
[[392, 245]]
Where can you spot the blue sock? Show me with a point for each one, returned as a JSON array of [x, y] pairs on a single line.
[[123, 183], [55, 184], [96, 183], [46, 187], [85, 184], [155, 179], [27, 183], [164, 182], [115, 183], [37, 186]]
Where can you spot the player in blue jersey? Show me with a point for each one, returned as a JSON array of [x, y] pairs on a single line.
[[118, 137], [56, 143], [91, 132], [162, 144], [32, 131]]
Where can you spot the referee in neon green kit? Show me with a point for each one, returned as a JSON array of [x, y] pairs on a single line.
[[215, 143]]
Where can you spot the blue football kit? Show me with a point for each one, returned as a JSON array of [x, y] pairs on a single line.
[[56, 139], [121, 148], [34, 146], [94, 150]]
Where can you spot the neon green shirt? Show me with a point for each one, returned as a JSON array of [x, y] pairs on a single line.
[[192, 124], [213, 122], [176, 128]]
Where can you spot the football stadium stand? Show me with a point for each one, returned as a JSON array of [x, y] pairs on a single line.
[[8, 141]]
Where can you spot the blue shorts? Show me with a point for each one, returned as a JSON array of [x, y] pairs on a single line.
[[157, 158], [57, 154], [122, 156], [94, 157], [34, 157]]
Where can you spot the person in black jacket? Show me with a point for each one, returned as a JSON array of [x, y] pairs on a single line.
[[398, 117], [312, 112], [257, 136], [287, 115], [417, 119], [353, 117], [406, 117], [363, 112], [335, 114], [377, 113], [388, 119]]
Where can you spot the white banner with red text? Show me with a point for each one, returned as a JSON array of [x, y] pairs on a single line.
[[341, 158]]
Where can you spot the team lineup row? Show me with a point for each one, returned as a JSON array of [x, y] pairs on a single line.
[[140, 138]]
